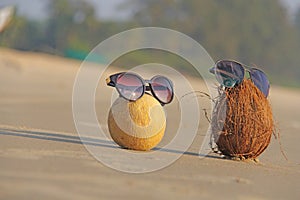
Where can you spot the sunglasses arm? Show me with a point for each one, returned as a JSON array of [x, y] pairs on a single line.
[[109, 82], [212, 70]]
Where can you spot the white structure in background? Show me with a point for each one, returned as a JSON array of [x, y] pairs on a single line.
[[6, 14]]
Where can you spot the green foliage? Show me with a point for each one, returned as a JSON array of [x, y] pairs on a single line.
[[140, 57], [17, 34], [253, 32], [297, 21]]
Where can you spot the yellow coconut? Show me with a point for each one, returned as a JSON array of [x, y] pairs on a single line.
[[138, 125]]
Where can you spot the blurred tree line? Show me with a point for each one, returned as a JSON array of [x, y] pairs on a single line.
[[253, 32]]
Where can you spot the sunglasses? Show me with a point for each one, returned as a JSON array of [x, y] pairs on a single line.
[[231, 73], [131, 86]]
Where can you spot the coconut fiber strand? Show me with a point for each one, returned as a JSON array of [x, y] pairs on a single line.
[[242, 121]]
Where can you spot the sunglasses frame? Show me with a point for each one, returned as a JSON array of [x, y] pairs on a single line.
[[112, 81], [245, 68]]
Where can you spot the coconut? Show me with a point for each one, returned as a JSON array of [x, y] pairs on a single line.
[[242, 121], [137, 125]]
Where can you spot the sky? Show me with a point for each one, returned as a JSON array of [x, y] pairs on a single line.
[[106, 9], [292, 5]]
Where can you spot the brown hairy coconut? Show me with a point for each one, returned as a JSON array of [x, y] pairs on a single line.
[[242, 121]]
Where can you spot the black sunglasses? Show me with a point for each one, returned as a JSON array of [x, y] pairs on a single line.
[[131, 86], [230, 73]]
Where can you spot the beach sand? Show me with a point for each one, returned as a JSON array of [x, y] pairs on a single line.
[[42, 157]]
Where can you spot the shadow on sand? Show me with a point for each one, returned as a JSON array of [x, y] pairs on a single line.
[[60, 137]]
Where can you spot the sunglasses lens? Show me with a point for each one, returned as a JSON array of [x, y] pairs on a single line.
[[260, 80], [229, 73], [130, 86], [162, 89]]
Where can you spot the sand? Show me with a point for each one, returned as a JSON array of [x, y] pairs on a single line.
[[42, 157]]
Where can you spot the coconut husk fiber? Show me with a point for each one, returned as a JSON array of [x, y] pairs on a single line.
[[242, 121]]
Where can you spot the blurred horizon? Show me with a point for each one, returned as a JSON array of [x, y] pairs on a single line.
[[104, 9], [37, 10], [266, 33]]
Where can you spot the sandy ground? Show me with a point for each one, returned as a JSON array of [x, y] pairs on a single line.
[[42, 157]]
